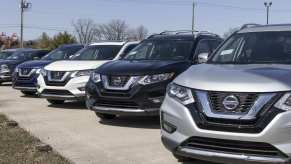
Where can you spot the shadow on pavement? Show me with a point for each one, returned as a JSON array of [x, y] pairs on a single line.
[[134, 122], [30, 96], [71, 105]]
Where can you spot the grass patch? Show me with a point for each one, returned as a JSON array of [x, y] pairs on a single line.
[[18, 147]]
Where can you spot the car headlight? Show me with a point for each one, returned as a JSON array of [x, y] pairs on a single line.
[[284, 102], [37, 70], [95, 77], [16, 70], [5, 68], [43, 72], [150, 79], [181, 94], [82, 73]]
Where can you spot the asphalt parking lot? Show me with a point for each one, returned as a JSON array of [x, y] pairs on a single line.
[[78, 134]]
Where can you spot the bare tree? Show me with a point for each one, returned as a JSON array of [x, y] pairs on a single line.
[[86, 30], [230, 31], [114, 30], [139, 33]]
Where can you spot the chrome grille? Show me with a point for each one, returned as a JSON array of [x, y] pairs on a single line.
[[118, 81], [25, 72], [246, 101], [233, 147], [56, 75]]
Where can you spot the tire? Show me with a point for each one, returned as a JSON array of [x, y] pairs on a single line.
[[105, 116], [55, 102], [28, 93]]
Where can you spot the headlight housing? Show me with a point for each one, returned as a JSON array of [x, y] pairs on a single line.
[[43, 72], [95, 77], [37, 70], [4, 68], [150, 79], [81, 73], [181, 94], [284, 102], [16, 70]]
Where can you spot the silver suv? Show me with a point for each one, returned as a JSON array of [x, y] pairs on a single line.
[[237, 106]]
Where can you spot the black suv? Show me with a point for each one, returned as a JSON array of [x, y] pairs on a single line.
[[136, 84], [8, 65]]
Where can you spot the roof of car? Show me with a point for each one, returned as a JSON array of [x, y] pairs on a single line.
[[182, 35], [266, 28], [16, 49], [71, 45], [117, 43]]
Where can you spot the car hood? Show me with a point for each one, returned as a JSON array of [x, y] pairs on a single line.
[[142, 67], [70, 65], [10, 62], [34, 64], [237, 78]]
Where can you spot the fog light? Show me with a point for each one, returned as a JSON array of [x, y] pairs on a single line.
[[168, 127], [157, 100], [82, 88]]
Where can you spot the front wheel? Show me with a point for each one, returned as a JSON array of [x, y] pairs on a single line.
[[55, 102], [28, 93], [105, 116]]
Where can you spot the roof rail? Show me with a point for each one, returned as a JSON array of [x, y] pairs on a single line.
[[177, 32], [249, 25]]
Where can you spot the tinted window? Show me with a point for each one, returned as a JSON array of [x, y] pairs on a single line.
[[18, 56], [252, 48], [4, 55], [203, 46], [61, 53], [161, 50], [102, 52]]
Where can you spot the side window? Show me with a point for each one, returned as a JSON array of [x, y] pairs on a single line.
[[214, 44], [202, 47]]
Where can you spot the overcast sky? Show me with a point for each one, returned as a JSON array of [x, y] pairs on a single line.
[[157, 15]]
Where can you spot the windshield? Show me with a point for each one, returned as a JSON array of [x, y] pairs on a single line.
[[4, 55], [161, 50], [100, 52], [17, 56], [255, 48], [61, 53]]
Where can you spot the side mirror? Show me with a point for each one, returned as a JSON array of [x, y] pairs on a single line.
[[202, 58]]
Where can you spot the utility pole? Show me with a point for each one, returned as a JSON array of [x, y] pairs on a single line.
[[268, 5], [193, 16], [23, 6]]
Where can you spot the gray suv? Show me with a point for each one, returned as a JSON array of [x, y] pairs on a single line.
[[237, 106]]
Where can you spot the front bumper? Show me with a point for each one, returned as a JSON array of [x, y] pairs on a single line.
[[74, 89], [277, 134], [5, 77], [139, 100], [25, 83]]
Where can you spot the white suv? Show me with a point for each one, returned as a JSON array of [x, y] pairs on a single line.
[[66, 80]]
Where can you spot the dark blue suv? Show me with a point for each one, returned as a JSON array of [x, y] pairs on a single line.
[[8, 65], [25, 75]]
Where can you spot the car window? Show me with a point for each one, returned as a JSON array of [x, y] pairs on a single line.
[[61, 53], [102, 52], [203, 46], [161, 50], [256, 47], [4, 55]]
